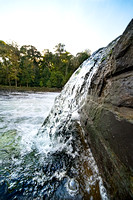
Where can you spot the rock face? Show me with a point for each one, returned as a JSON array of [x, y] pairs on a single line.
[[95, 109], [107, 117]]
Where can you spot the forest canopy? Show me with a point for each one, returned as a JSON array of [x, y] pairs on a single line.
[[26, 66]]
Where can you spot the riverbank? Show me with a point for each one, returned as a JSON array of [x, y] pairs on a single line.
[[28, 89]]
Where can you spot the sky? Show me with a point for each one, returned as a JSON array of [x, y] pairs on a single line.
[[79, 24]]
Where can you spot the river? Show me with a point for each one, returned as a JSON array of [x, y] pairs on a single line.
[[34, 167], [49, 157], [21, 116]]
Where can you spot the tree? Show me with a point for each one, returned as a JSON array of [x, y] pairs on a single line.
[[3, 63], [10, 65], [14, 57], [27, 71], [56, 79], [80, 58], [45, 75], [33, 55], [63, 61], [59, 49], [30, 59], [27, 67]]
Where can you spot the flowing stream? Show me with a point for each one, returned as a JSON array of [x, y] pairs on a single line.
[[36, 166], [51, 161], [21, 116]]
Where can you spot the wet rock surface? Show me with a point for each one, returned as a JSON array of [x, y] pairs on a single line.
[[61, 175], [93, 110], [107, 117]]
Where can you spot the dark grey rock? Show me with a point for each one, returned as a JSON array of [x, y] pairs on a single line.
[[107, 117]]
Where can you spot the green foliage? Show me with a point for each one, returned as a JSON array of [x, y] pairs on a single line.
[[41, 83], [56, 79], [27, 67], [48, 84]]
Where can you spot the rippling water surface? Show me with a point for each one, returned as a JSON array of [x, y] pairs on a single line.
[[52, 161], [34, 165], [21, 116]]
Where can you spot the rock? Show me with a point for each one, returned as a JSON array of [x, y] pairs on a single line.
[[107, 117]]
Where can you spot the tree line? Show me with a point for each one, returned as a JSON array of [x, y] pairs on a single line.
[[26, 66]]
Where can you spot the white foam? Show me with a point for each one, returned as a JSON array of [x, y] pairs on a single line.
[[25, 113]]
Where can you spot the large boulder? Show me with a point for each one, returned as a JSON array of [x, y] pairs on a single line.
[[107, 117]]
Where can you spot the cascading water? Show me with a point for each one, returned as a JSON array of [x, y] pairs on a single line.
[[59, 163]]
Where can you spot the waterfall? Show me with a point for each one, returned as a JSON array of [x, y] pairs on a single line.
[[59, 164], [59, 128], [68, 104]]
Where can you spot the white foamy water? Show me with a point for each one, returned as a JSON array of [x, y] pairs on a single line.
[[58, 151], [72, 98], [24, 113], [66, 110]]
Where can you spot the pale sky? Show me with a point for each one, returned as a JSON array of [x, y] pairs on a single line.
[[79, 24]]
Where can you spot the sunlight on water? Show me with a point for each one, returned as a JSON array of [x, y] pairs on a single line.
[[22, 114], [50, 161], [59, 126]]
